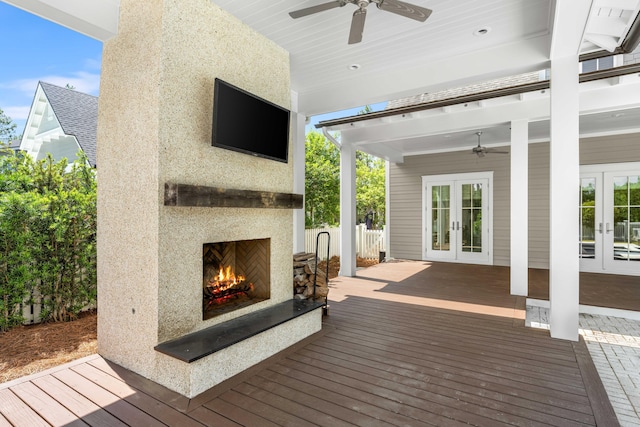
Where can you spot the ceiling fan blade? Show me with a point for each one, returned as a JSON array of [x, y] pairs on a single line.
[[407, 10], [357, 26], [315, 9]]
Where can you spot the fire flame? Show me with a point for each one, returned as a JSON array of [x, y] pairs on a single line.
[[225, 286], [226, 279], [227, 275]]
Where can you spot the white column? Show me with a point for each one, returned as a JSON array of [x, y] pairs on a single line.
[[565, 172], [387, 211], [347, 210], [298, 141], [519, 207]]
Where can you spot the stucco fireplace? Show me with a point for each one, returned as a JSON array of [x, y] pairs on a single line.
[[157, 215]]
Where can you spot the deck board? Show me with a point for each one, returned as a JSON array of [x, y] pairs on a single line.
[[76, 402], [47, 407], [472, 393], [163, 412], [16, 411], [405, 344]]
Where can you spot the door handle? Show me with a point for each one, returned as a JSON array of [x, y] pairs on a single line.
[[608, 230], [453, 225], [599, 230], [457, 225]]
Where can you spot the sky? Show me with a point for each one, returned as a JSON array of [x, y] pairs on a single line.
[[34, 49]]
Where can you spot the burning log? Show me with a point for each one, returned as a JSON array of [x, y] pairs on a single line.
[[224, 286], [216, 296]]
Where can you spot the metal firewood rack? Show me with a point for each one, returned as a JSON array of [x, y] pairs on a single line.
[[325, 308]]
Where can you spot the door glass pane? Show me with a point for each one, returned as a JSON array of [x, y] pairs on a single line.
[[625, 218], [634, 218], [466, 196], [620, 191], [440, 216], [634, 191], [472, 218], [587, 213]]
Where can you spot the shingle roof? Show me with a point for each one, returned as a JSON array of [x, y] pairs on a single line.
[[486, 86], [77, 113]]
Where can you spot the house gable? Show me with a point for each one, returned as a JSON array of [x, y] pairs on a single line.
[[61, 121]]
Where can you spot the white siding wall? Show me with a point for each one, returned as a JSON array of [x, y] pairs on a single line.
[[405, 220]]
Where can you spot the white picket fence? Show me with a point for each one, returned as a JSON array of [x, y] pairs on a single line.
[[369, 243]]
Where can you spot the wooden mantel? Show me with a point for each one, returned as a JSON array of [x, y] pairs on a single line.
[[215, 197]]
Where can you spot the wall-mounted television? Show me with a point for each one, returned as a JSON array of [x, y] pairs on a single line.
[[249, 124]]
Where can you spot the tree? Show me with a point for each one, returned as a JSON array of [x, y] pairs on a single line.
[[322, 186], [370, 188], [7, 127], [322, 183]]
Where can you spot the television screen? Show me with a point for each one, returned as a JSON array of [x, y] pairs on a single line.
[[246, 123]]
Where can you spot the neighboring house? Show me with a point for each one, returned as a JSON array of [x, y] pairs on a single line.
[[12, 145], [61, 122]]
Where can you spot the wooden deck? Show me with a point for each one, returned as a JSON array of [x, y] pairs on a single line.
[[599, 290], [406, 344]]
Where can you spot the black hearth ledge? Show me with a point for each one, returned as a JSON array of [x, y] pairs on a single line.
[[197, 345]]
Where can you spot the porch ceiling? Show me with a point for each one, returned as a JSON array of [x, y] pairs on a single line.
[[399, 57]]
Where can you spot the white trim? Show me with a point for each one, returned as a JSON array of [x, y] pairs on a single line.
[[609, 167], [430, 179]]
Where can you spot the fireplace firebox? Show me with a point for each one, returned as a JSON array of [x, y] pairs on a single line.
[[235, 274]]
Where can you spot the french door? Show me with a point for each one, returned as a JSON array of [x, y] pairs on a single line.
[[610, 218], [456, 218]]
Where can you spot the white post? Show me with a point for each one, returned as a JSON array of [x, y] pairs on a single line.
[[347, 210], [519, 207], [387, 213], [298, 141], [564, 266]]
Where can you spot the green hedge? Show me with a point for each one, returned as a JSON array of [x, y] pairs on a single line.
[[47, 236]]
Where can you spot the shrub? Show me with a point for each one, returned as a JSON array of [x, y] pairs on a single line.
[[48, 236]]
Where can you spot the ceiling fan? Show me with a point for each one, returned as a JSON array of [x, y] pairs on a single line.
[[398, 7], [480, 151]]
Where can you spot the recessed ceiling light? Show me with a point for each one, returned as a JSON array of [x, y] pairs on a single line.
[[482, 31], [354, 67], [616, 115]]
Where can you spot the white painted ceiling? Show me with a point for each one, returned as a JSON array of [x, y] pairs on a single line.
[[400, 57]]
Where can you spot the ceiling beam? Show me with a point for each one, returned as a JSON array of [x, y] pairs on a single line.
[[97, 19], [569, 24]]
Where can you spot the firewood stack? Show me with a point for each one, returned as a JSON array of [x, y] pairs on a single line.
[[304, 266]]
